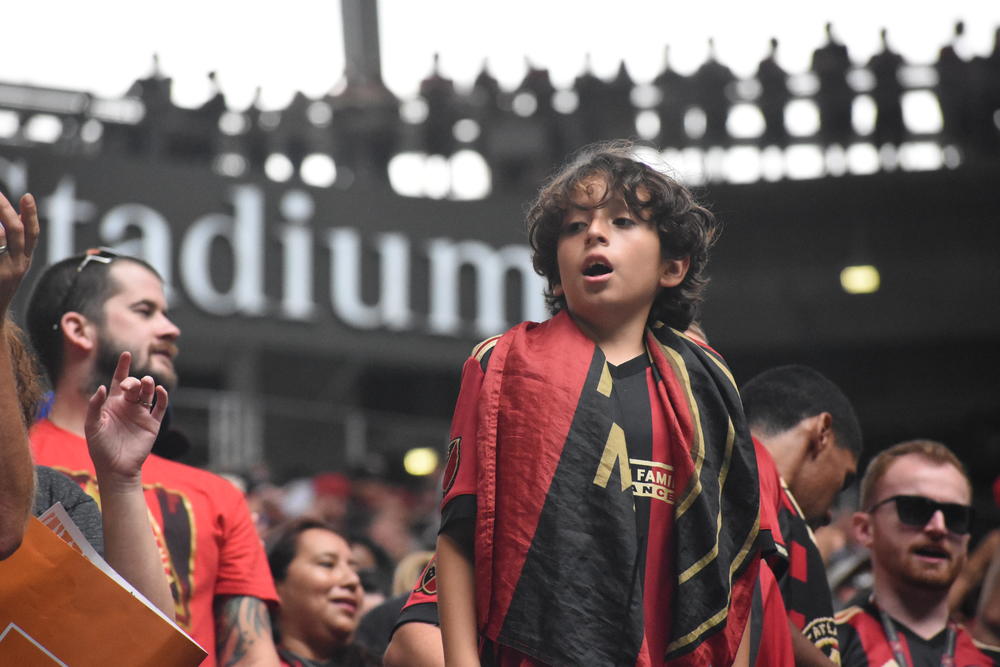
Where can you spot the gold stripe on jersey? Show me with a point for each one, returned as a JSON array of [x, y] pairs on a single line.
[[480, 350]]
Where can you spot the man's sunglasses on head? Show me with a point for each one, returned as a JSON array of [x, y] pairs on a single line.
[[93, 255], [916, 511]]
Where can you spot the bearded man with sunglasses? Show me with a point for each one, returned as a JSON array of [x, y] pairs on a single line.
[[83, 313], [917, 514]]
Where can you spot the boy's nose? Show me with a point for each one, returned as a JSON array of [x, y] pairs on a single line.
[[597, 232]]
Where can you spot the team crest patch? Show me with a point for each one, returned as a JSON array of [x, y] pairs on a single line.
[[451, 465], [428, 580]]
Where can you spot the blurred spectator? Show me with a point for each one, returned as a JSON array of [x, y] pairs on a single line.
[[365, 127], [484, 109], [332, 499], [375, 569], [320, 597], [525, 136], [963, 597], [408, 570], [376, 626], [438, 92], [154, 91], [267, 503], [620, 113], [712, 81], [774, 96], [987, 620], [984, 86], [255, 137], [830, 64], [296, 133], [888, 95], [675, 100], [593, 97], [953, 92]]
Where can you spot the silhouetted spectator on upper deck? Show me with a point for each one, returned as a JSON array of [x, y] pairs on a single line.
[[484, 108], [989, 67], [774, 96], [255, 137], [888, 94], [984, 102], [831, 63], [592, 94], [675, 99], [620, 111], [522, 145], [438, 92], [711, 83], [209, 116], [953, 92], [537, 82], [154, 93], [295, 130], [366, 126], [485, 95]]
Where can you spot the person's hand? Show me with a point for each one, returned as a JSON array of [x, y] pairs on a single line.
[[122, 424], [18, 237]]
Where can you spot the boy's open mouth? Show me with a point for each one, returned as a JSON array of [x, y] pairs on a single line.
[[597, 269]]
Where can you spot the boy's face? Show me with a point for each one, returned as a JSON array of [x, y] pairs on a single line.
[[610, 262]]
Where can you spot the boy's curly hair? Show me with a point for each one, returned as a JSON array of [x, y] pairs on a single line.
[[686, 229]]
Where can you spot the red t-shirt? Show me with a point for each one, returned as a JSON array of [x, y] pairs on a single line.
[[207, 539]]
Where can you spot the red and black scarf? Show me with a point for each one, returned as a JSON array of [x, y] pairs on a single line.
[[541, 518]]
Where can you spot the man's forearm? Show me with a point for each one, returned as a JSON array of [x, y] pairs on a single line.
[[17, 473], [243, 632]]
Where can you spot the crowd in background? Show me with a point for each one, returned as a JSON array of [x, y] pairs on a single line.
[[361, 124]]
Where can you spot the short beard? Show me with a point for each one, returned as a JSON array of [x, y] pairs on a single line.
[[932, 580], [106, 362]]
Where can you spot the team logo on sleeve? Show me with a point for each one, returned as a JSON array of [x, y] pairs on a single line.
[[451, 465], [428, 580]]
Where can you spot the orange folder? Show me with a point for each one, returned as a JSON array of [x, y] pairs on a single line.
[[58, 608]]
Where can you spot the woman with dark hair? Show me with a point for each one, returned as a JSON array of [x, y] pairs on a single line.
[[320, 597]]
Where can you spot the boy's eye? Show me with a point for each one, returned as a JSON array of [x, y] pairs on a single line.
[[574, 227], [624, 222]]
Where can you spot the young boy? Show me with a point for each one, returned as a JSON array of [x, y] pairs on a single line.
[[601, 497]]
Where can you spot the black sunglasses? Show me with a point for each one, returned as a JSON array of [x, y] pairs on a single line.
[[918, 510], [98, 255]]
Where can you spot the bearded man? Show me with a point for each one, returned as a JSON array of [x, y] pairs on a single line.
[[915, 521]]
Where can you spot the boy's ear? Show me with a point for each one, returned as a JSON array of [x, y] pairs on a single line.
[[674, 271], [557, 289]]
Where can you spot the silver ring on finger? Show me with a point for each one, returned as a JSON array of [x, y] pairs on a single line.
[[3, 249]]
